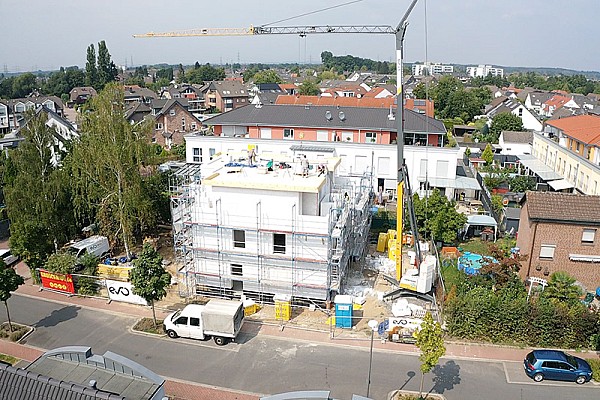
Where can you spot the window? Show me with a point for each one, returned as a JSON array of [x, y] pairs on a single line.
[[158, 126], [181, 321], [197, 154], [370, 137], [288, 133], [279, 243], [172, 113], [194, 321], [578, 144], [183, 124], [588, 236], [211, 153], [236, 269], [193, 126], [547, 251], [239, 239]]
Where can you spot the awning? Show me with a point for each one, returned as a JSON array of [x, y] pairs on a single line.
[[584, 257], [482, 220], [463, 182], [539, 168], [560, 184]]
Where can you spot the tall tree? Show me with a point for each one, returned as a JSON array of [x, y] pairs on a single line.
[[91, 70], [488, 154], [9, 282], [431, 343], [505, 122], [149, 278], [267, 76], [23, 85], [106, 165], [437, 217], [107, 71], [309, 88], [37, 195]]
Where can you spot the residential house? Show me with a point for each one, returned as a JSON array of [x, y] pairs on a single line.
[[428, 167], [505, 105], [429, 68], [261, 232], [383, 91], [81, 94], [4, 118], [136, 112], [345, 89], [290, 88], [365, 101], [74, 373], [265, 93], [172, 122], [556, 102], [580, 134], [560, 232], [135, 93], [226, 95], [18, 107], [515, 143], [420, 106], [193, 93], [328, 123], [536, 99]]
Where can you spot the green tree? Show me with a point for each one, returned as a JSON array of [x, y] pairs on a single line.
[[23, 85], [91, 70], [37, 195], [431, 343], [266, 76], [105, 166], [488, 155], [505, 122], [521, 184], [561, 288], [204, 73], [149, 278], [62, 262], [165, 73], [437, 217], [9, 282], [420, 91], [308, 88], [180, 73], [502, 267], [107, 70]]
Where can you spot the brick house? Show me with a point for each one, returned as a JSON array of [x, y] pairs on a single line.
[[560, 232], [172, 122], [226, 95]]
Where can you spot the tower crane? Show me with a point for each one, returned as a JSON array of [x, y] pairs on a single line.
[[302, 31]]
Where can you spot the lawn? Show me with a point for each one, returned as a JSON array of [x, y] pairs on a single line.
[[9, 359]]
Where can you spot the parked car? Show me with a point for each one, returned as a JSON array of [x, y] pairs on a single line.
[[9, 259], [556, 365]]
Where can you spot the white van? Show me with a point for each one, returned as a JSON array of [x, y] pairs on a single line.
[[96, 245], [9, 259], [221, 319]]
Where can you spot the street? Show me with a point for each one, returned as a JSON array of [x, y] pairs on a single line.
[[268, 365]]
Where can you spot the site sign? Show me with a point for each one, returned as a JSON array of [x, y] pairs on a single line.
[[58, 282]]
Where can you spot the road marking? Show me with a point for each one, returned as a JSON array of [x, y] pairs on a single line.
[[516, 375]]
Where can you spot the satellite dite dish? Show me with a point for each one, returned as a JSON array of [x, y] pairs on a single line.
[[342, 116], [328, 115]]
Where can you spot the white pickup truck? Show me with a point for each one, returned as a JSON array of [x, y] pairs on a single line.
[[221, 319]]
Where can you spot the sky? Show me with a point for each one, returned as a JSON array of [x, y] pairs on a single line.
[[45, 35]]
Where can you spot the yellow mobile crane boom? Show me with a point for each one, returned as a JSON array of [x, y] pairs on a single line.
[[399, 32]]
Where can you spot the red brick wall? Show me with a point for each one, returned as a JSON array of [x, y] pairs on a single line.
[[567, 239], [172, 124]]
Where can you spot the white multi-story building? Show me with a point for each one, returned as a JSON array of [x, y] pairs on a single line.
[[431, 68], [269, 229], [484, 70]]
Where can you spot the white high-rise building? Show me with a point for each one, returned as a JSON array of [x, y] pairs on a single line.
[[482, 71], [431, 68]]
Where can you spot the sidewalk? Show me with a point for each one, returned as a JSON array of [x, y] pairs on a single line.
[[181, 390]]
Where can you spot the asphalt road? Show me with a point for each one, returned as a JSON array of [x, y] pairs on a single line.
[[267, 365]]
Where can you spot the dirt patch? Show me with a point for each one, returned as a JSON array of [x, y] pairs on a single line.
[[17, 333], [147, 325]]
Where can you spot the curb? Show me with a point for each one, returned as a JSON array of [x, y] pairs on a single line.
[[438, 396]]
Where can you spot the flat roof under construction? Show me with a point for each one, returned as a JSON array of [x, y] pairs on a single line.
[[280, 179]]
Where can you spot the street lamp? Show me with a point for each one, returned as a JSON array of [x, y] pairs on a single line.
[[373, 324]]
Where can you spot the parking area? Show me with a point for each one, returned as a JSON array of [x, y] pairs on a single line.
[[515, 374]]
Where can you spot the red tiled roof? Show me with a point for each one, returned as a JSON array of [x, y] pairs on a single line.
[[583, 128], [557, 101], [385, 102]]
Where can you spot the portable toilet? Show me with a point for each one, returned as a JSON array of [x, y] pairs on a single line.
[[343, 311], [283, 308]]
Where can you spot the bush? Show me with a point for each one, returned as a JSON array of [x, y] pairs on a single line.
[[595, 364]]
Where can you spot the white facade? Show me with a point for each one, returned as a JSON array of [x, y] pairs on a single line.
[[512, 148], [484, 70], [437, 165], [431, 68], [243, 229]]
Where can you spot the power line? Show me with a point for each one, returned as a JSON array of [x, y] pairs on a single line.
[[313, 12]]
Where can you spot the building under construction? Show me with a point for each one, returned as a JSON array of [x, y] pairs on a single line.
[[269, 224]]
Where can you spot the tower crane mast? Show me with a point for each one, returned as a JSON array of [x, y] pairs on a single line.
[[302, 31]]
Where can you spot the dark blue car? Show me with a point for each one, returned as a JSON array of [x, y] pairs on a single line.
[[556, 365]]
